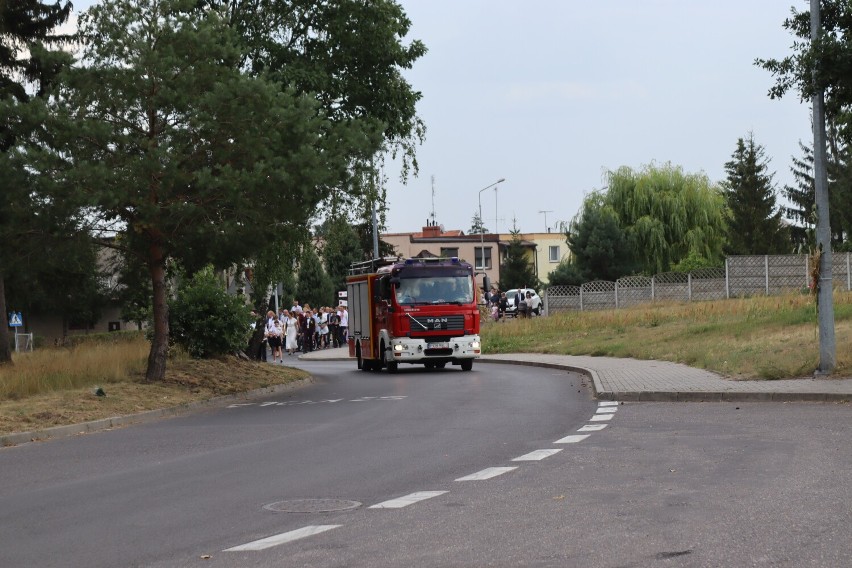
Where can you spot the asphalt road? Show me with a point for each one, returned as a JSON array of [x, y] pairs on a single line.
[[171, 492], [441, 469]]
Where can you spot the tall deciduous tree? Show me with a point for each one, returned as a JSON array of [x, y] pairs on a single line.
[[754, 223], [28, 64], [160, 131]]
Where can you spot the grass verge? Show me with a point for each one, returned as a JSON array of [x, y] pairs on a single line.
[[763, 337], [56, 387]]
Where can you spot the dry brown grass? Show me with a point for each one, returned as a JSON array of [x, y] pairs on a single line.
[[55, 387]]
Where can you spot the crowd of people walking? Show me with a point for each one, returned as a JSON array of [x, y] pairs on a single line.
[[305, 329]]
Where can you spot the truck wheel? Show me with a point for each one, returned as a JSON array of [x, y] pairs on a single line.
[[390, 365], [360, 362], [467, 364]]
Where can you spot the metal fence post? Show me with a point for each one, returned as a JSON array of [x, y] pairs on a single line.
[[689, 285], [653, 292], [807, 274], [766, 271], [616, 294], [727, 281], [581, 298]]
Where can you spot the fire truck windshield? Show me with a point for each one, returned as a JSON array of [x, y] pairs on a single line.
[[435, 290]]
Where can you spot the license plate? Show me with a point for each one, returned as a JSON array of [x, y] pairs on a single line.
[[439, 345]]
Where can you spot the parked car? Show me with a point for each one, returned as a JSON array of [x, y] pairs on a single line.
[[512, 309]]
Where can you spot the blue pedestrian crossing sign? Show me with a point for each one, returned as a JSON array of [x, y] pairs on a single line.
[[15, 319]]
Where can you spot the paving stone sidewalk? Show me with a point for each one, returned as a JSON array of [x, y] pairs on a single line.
[[637, 380]]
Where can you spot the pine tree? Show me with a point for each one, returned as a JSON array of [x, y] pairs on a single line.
[[755, 225]]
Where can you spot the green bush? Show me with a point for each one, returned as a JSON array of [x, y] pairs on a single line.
[[207, 321]]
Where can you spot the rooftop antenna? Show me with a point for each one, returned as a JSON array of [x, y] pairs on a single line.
[[546, 227], [432, 214]]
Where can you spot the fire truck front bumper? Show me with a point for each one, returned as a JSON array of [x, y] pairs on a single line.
[[410, 350]]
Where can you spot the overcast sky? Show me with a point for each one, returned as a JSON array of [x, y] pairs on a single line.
[[550, 94]]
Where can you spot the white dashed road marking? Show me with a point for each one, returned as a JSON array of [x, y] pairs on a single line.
[[400, 502], [607, 410], [282, 538], [592, 427], [327, 401], [486, 473], [601, 417], [537, 455], [572, 439], [608, 403]]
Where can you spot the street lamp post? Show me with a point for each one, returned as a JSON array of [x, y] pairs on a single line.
[[482, 224]]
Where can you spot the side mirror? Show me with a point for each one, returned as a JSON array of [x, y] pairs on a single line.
[[486, 283]]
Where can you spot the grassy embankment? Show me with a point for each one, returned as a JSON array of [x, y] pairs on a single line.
[[56, 386], [770, 337], [753, 338]]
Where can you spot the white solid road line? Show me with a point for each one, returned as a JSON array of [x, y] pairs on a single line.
[[486, 473], [282, 538], [400, 502], [592, 427], [537, 455], [572, 439]]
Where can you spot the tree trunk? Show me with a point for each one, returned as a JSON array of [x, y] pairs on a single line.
[[5, 348], [160, 343]]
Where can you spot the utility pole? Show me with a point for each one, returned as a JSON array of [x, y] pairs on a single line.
[[825, 296]]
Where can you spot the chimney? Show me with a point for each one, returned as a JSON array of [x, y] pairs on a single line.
[[432, 231]]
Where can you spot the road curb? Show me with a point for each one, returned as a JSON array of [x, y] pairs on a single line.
[[681, 396], [43, 435]]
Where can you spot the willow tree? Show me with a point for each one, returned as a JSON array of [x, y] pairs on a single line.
[[667, 214]]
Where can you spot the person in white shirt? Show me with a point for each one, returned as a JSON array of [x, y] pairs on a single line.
[[343, 328], [322, 329], [533, 304]]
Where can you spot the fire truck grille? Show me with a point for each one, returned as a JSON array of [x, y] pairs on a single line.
[[438, 323]]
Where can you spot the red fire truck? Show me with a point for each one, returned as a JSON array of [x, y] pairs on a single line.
[[418, 310]]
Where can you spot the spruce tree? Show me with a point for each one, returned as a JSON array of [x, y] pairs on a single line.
[[313, 285], [29, 63], [755, 225], [516, 271]]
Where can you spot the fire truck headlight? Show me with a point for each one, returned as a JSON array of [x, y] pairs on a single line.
[[399, 347], [474, 345]]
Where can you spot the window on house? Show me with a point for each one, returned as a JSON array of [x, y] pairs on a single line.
[[479, 264], [449, 252], [554, 253]]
